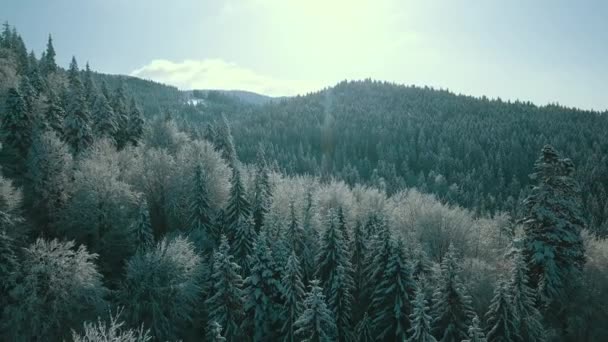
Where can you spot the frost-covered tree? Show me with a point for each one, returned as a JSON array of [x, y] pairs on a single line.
[[135, 125], [104, 120], [28, 93], [200, 210], [77, 130], [262, 192], [214, 332], [244, 240], [528, 322], [294, 234], [262, 294], [17, 124], [48, 64], [316, 324], [223, 141], [142, 227], [118, 102], [90, 90], [552, 226], [161, 287], [475, 332], [55, 113], [420, 330], [335, 274], [112, 331], [501, 316], [49, 167], [34, 76], [239, 208], [391, 305], [225, 306], [452, 310], [8, 266], [57, 286], [293, 293], [311, 241], [359, 255]]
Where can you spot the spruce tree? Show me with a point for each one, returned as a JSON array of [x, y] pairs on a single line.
[[363, 331], [451, 304], [552, 226], [214, 332], [135, 125], [8, 266], [316, 324], [77, 129], [225, 306], [528, 321], [311, 242], [294, 234], [475, 332], [262, 294], [245, 238], [48, 65], [238, 210], [292, 290], [33, 75], [90, 90], [391, 305], [104, 120], [118, 102], [55, 113], [420, 330], [17, 124], [200, 209], [262, 196], [224, 143], [501, 316], [28, 93], [360, 253], [142, 228]]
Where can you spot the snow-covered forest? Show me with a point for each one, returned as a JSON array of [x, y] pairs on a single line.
[[128, 213]]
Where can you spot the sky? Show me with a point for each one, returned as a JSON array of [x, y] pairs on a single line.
[[541, 51]]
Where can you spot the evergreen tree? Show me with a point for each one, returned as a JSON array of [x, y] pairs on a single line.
[[311, 242], [262, 196], [316, 324], [292, 289], [119, 105], [501, 316], [294, 234], [552, 226], [135, 125], [360, 253], [17, 124], [363, 330], [200, 209], [245, 237], [451, 304], [224, 143], [33, 74], [90, 90], [55, 113], [77, 122], [142, 228], [475, 332], [104, 120], [238, 210], [214, 332], [528, 319], [262, 294], [226, 304], [420, 330], [8, 266], [391, 299], [48, 65]]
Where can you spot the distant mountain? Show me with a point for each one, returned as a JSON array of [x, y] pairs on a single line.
[[243, 95]]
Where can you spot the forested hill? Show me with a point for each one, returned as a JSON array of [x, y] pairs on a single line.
[[475, 152]]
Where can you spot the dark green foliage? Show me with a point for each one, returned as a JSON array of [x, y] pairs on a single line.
[[77, 130], [262, 193], [104, 119], [292, 290], [135, 124], [420, 330], [142, 228], [501, 317], [55, 113], [316, 323], [47, 64]]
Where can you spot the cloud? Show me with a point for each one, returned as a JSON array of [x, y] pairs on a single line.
[[219, 74]]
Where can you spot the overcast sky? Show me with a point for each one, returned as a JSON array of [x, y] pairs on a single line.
[[542, 51]]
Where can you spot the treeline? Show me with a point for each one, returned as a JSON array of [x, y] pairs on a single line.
[[113, 228], [474, 152]]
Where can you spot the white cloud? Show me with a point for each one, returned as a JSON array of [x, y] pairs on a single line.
[[219, 74]]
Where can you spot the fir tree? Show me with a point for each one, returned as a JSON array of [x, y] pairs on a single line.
[[360, 252], [48, 65], [528, 319], [142, 228], [104, 120], [451, 304], [294, 234], [121, 114], [262, 293], [33, 75], [200, 210], [135, 125], [224, 143], [501, 316], [391, 299], [90, 90], [475, 332], [292, 289], [226, 304], [55, 113], [262, 191], [214, 332], [363, 331], [77, 122], [311, 242], [238, 210], [316, 324], [245, 237], [552, 226], [8, 266], [17, 124], [420, 330]]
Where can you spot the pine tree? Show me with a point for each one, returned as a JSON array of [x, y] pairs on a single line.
[[224, 143], [294, 234], [142, 228], [475, 332], [528, 319], [501, 316], [245, 238], [104, 120], [311, 242], [358, 260], [77, 122], [316, 324], [292, 289], [335, 274], [90, 90], [552, 225], [262, 293], [239, 209], [55, 113], [17, 124], [451, 304], [262, 191], [363, 330], [420, 330], [135, 125], [33, 74], [226, 304], [391, 299], [119, 104], [48, 65]]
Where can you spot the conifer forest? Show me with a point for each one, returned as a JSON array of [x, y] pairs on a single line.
[[134, 211]]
